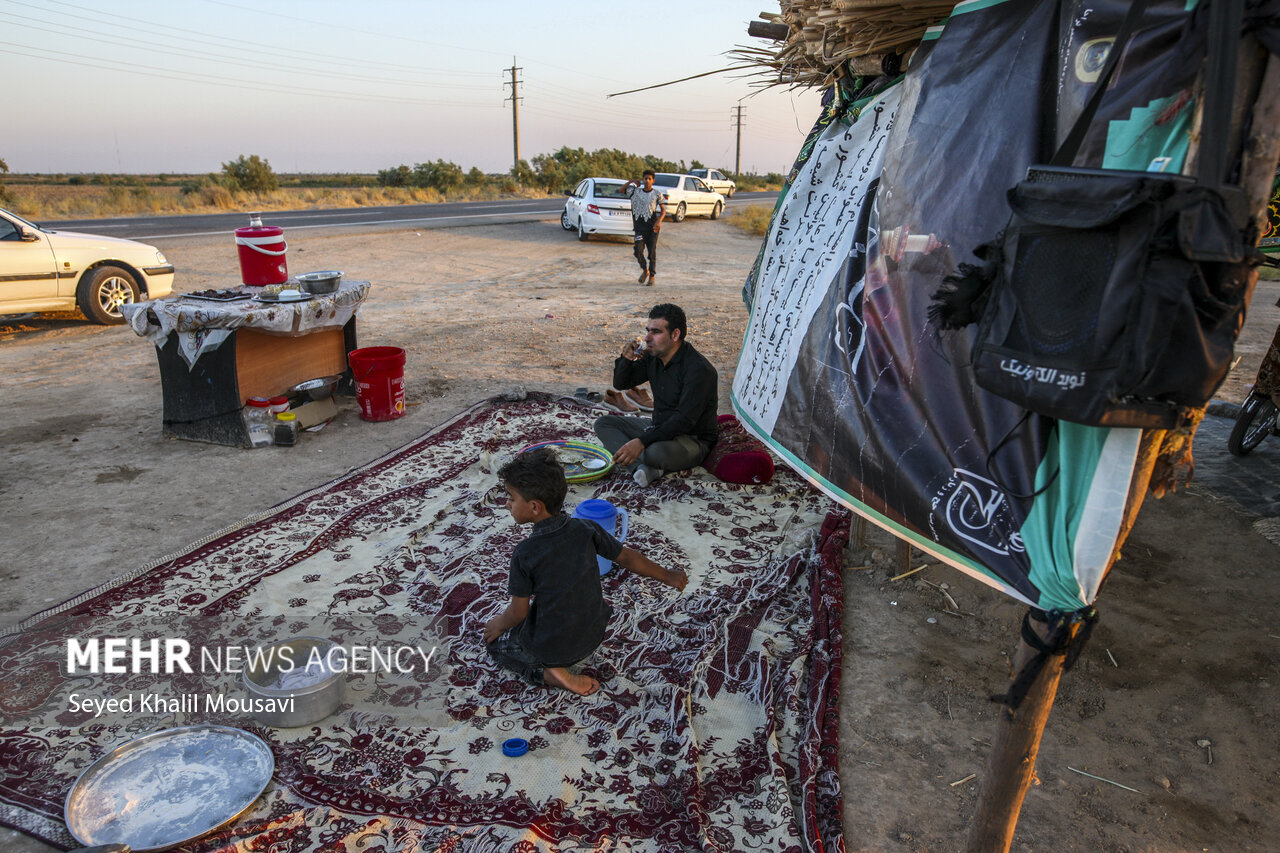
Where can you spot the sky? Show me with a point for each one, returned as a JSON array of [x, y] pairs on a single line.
[[182, 86]]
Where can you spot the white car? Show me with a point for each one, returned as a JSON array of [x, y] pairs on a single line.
[[717, 180], [688, 196], [43, 270], [597, 206]]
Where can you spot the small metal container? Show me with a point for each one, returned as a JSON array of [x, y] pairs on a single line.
[[325, 281], [312, 702]]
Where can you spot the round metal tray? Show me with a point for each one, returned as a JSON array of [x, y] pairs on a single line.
[[582, 461], [168, 787]]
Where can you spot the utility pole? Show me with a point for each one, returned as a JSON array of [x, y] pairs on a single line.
[[514, 83], [737, 157]]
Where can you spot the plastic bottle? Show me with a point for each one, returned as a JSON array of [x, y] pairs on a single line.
[[286, 429], [258, 421], [279, 404]]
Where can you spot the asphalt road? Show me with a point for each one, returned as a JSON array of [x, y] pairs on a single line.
[[445, 214]]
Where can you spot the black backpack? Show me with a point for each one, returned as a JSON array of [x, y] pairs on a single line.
[[1114, 298]]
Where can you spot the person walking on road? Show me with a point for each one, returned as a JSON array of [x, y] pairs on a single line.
[[648, 209]]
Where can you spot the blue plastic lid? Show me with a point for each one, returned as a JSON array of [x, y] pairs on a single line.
[[595, 509], [515, 746]]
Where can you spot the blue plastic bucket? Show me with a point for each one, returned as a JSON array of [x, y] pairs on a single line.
[[606, 515]]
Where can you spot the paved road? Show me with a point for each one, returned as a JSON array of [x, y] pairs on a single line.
[[1250, 484], [445, 214]]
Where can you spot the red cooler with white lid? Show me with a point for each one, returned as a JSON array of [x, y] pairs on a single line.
[[262, 253]]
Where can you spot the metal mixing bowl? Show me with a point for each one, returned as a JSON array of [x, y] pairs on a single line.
[[311, 703], [325, 281], [316, 389]]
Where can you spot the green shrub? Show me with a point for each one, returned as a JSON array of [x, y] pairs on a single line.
[[440, 175], [4, 193], [250, 174]]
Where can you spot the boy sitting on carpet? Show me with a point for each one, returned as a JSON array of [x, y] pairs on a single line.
[[557, 567]]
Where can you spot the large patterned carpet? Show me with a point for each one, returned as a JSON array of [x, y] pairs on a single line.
[[714, 729]]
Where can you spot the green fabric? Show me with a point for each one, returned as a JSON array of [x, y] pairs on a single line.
[[1137, 141]]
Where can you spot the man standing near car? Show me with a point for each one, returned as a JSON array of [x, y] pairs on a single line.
[[648, 208], [685, 395]]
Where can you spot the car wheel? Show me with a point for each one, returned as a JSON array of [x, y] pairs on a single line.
[[564, 220], [715, 211], [582, 235], [102, 292], [680, 210], [729, 194]]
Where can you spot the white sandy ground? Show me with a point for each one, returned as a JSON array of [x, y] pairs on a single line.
[[89, 490]]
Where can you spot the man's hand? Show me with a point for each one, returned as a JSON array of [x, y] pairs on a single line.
[[676, 579], [629, 452], [629, 351]]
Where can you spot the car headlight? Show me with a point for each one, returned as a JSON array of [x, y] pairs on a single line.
[[160, 259]]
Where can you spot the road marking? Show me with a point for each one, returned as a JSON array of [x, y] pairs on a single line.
[[372, 222]]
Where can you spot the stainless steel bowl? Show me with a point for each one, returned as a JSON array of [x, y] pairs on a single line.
[[316, 389], [312, 702], [325, 281]]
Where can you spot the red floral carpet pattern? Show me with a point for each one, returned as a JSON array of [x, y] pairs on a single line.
[[715, 727]]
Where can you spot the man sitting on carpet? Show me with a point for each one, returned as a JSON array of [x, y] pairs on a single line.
[[557, 567], [685, 395]]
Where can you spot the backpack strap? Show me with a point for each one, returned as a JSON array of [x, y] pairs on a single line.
[[1067, 150]]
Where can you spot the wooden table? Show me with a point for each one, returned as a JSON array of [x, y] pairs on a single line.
[[258, 352]]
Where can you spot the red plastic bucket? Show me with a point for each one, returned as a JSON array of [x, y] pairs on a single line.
[[379, 375], [262, 254]]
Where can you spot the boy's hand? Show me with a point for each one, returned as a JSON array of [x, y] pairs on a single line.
[[677, 579], [493, 629]]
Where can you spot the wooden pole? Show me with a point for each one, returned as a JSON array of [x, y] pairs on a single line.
[[1012, 763]]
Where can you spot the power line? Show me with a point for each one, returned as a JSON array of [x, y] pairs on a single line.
[[187, 77]]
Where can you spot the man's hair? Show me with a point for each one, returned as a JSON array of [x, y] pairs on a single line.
[[537, 476], [647, 172], [673, 315]]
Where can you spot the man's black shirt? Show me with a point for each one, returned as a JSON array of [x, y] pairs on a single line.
[[685, 394]]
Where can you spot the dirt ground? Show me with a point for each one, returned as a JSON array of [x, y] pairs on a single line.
[[1185, 650]]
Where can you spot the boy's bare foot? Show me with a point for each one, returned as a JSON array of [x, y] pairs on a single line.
[[583, 685]]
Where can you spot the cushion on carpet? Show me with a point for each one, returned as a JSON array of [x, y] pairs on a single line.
[[738, 456], [714, 728]]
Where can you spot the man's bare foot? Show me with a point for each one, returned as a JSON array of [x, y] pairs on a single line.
[[583, 685]]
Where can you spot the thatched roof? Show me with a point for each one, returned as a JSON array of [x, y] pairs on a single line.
[[824, 37]]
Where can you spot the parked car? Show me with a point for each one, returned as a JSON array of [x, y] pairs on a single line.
[[718, 181], [597, 206], [44, 270], [688, 196]]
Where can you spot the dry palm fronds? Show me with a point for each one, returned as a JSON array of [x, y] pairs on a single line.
[[825, 34]]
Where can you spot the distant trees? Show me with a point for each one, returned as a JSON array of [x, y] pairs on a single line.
[[250, 174], [440, 175], [564, 168], [4, 193]]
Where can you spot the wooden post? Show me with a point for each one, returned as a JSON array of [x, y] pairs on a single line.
[[1012, 763]]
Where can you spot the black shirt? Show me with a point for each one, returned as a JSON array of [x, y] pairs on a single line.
[[685, 394], [557, 566]]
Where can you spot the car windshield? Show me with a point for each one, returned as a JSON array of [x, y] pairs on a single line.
[[666, 180], [610, 189], [13, 215]]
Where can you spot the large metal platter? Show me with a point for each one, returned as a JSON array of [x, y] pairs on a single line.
[[168, 787], [582, 461]]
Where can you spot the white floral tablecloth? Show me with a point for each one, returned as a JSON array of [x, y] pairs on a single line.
[[202, 325]]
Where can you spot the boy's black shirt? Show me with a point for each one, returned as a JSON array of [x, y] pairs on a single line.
[[557, 567]]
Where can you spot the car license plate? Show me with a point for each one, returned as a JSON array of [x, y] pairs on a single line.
[[620, 212]]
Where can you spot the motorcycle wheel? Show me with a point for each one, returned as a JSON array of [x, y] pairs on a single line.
[[1257, 420]]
